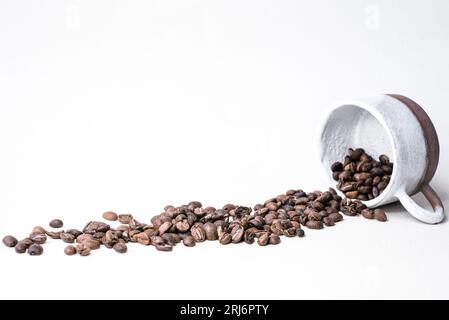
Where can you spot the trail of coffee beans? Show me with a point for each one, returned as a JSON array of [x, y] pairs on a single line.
[[284, 215]]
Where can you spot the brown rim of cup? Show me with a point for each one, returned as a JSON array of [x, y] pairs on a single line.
[[430, 136]]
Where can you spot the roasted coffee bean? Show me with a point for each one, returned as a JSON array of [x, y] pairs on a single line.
[[367, 213], [352, 194], [384, 159], [237, 233], [67, 237], [314, 224], [337, 166], [263, 239], [38, 238], [274, 239], [110, 216], [163, 247], [82, 249], [96, 226], [120, 247], [198, 233], [210, 230], [92, 244], [38, 229], [328, 222], [165, 227], [70, 250], [21, 247], [125, 218], [300, 233], [56, 223], [143, 238], [35, 250], [10, 241], [188, 241], [249, 236], [225, 238], [290, 232], [336, 217], [183, 226], [380, 215], [54, 234], [74, 232]]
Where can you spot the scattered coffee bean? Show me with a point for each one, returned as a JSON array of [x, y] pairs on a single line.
[[21, 247], [380, 215], [67, 237], [120, 247], [125, 218], [368, 213], [188, 241], [10, 241], [70, 250], [38, 238], [56, 223], [35, 250], [38, 230], [110, 216]]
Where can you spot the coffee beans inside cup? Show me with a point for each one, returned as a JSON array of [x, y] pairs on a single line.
[[359, 177]]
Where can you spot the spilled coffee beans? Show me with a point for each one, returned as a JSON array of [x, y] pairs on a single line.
[[359, 177]]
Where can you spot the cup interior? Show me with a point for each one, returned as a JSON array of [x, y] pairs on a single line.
[[351, 126]]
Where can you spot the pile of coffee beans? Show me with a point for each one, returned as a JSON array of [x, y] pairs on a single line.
[[360, 176], [284, 215]]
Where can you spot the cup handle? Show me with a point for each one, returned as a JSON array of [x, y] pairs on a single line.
[[427, 216]]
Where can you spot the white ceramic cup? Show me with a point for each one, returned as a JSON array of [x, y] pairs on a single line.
[[393, 125]]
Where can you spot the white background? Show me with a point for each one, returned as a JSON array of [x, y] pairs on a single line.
[[133, 105]]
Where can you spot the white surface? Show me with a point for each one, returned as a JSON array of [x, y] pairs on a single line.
[[132, 105]]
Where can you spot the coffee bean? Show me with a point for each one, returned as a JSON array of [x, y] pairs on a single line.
[[10, 241], [382, 185], [56, 223], [38, 229], [182, 226], [125, 218], [249, 236], [380, 215], [165, 227], [143, 238], [314, 224], [67, 237], [263, 239], [21, 247], [384, 159], [83, 250], [38, 238], [110, 216], [274, 239], [368, 213], [120, 247], [300, 233], [35, 250], [328, 222], [237, 234], [163, 247], [188, 241], [70, 250], [337, 166], [352, 194], [225, 238], [210, 230], [198, 233], [336, 217]]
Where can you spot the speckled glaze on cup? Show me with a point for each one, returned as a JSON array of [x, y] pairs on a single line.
[[398, 127]]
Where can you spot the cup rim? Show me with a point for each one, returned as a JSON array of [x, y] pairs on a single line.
[[373, 111]]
